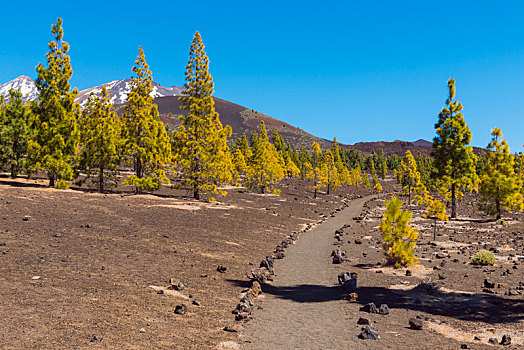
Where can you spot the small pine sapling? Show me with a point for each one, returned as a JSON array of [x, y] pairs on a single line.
[[436, 211], [398, 236]]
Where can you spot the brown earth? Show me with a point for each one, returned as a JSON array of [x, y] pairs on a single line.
[[101, 258], [97, 256]]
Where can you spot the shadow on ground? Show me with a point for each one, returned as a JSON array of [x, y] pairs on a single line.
[[302, 293], [463, 306]]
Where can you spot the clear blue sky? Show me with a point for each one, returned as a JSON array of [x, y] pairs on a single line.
[[358, 70]]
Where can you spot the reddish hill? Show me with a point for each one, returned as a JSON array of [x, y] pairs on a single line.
[[241, 119]]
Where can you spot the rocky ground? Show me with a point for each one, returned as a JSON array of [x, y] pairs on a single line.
[[80, 269]]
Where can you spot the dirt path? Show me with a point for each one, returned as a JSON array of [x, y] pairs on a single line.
[[303, 308]]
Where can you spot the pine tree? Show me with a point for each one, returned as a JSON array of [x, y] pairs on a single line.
[[100, 141], [15, 133], [147, 145], [343, 172], [500, 186], [202, 156], [409, 176], [399, 237], [330, 172], [279, 143], [304, 163], [454, 159], [291, 169], [239, 165], [316, 158], [356, 176], [365, 180], [55, 142], [264, 168], [383, 169], [376, 184], [436, 211], [243, 144]]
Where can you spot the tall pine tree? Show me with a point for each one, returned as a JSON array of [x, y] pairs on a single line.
[[147, 145], [15, 133], [264, 167], [500, 186], [100, 141], [202, 157], [55, 142], [454, 159]]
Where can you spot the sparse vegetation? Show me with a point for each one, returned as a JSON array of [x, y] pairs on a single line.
[[483, 258]]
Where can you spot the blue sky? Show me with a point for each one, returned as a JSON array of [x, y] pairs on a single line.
[[357, 70]]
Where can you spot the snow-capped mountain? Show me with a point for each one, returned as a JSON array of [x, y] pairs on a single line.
[[117, 89], [25, 84]]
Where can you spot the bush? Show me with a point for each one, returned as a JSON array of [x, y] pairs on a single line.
[[483, 258]]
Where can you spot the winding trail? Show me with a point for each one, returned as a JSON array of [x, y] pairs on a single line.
[[304, 307]]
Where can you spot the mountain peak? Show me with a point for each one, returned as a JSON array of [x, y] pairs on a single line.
[[24, 83]]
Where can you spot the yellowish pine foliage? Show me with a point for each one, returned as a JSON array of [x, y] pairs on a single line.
[[399, 238]]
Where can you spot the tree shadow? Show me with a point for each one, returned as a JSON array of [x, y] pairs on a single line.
[[302, 293], [477, 307]]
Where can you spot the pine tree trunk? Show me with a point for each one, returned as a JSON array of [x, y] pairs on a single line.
[[51, 180], [499, 209], [409, 194], [328, 188], [453, 202], [435, 230], [101, 180]]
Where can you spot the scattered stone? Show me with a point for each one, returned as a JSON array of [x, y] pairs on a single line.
[[352, 297], [476, 338], [94, 338], [142, 330], [180, 309], [195, 302], [368, 332], [160, 291], [493, 341], [488, 284], [363, 320], [383, 309], [442, 255], [464, 346], [358, 241], [261, 275], [506, 340], [165, 235], [416, 324], [409, 273], [221, 269], [241, 316], [34, 278], [488, 291], [235, 328], [371, 308], [279, 255]]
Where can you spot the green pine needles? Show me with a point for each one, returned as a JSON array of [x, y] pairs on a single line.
[[399, 237], [55, 143], [202, 156], [147, 146]]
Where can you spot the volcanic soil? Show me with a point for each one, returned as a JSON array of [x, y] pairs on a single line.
[[80, 269]]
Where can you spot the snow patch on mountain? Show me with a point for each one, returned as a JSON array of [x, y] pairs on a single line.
[[117, 89], [25, 84]]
